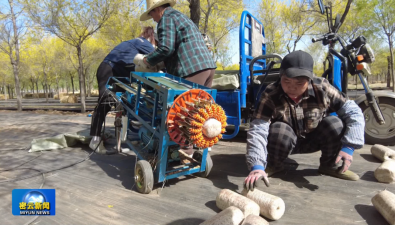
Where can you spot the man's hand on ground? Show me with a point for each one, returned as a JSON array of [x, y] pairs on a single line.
[[252, 180], [347, 160]]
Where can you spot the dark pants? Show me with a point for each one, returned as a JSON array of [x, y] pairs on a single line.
[[282, 141], [104, 72], [204, 78]]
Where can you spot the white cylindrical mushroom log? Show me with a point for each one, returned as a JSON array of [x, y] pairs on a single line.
[[383, 153], [385, 173], [230, 216], [384, 202], [271, 206], [254, 220], [212, 128], [227, 198]]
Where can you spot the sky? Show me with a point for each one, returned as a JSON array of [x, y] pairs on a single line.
[[251, 6]]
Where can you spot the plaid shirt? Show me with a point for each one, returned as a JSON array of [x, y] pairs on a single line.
[[318, 101], [181, 45]]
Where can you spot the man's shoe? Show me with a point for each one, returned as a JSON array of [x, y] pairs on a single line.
[[271, 170], [332, 171]]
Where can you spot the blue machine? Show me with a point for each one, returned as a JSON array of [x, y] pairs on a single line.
[[144, 99], [256, 71]]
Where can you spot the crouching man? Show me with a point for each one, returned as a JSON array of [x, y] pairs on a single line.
[[292, 117]]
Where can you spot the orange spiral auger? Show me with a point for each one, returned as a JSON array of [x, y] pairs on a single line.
[[194, 118]]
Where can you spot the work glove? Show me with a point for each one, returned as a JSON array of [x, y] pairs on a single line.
[[345, 154], [253, 179], [140, 66]]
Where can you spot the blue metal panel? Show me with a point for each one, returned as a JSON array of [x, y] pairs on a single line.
[[246, 54], [228, 100], [337, 73]]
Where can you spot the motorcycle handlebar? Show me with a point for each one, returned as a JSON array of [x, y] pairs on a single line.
[[317, 39]]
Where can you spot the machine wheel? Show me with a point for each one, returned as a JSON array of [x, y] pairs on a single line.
[[144, 177], [374, 132], [198, 155]]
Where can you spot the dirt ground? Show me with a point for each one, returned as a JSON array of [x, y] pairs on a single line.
[[101, 189]]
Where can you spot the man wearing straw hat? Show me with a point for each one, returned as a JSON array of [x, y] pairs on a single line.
[[181, 46]]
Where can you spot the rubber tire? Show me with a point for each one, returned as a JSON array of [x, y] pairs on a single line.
[[372, 140], [198, 155], [148, 177]]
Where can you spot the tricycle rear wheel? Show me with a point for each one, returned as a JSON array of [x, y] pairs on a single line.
[[374, 132]]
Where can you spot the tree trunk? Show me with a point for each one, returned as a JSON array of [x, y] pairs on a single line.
[[207, 17], [43, 85], [392, 61], [194, 7], [15, 63], [5, 92], [67, 85], [22, 89], [57, 85], [343, 18], [9, 92], [87, 83], [72, 82], [37, 88], [89, 89], [389, 72], [46, 87], [82, 79], [12, 92], [32, 84]]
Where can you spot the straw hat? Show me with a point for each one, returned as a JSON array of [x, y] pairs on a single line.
[[152, 4]]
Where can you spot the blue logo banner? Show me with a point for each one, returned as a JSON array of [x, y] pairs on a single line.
[[33, 202]]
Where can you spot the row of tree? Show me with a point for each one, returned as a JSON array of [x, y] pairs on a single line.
[[48, 45]]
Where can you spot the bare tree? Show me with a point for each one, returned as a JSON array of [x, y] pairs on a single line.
[[219, 18], [297, 23], [10, 33], [381, 23], [74, 22], [386, 19]]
